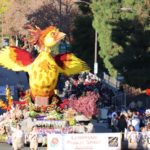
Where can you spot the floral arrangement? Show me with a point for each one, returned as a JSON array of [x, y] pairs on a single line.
[[52, 123], [69, 115], [54, 105], [86, 104], [9, 103], [54, 115], [3, 105]]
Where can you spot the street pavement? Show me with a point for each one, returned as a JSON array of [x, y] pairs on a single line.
[[4, 146]]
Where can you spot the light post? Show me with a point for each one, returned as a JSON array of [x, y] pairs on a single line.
[[95, 45], [95, 55]]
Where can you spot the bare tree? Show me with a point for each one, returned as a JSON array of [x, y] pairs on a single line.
[[15, 17], [39, 12], [56, 12]]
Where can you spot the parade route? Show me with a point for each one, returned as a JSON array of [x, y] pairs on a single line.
[[99, 128], [13, 78]]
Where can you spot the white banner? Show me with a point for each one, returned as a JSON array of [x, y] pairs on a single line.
[[90, 141]]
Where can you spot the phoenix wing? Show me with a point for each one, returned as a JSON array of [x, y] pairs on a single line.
[[15, 58], [69, 64]]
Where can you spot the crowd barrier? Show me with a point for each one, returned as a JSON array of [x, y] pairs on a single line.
[[93, 141], [119, 100], [111, 81], [78, 141]]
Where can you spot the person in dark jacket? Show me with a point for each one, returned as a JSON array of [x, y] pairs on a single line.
[[122, 124]]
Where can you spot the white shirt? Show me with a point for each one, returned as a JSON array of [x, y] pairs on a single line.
[[136, 123], [17, 133]]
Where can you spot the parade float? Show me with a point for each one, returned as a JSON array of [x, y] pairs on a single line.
[[40, 105]]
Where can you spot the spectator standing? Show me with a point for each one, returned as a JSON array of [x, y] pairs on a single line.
[[132, 106], [136, 122], [109, 116], [143, 138], [132, 137], [114, 123], [122, 125]]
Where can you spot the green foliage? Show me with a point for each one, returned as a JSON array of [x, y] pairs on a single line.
[[105, 13], [124, 30], [133, 63], [33, 114]]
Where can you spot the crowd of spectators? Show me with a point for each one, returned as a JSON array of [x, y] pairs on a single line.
[[80, 84], [132, 121], [133, 124]]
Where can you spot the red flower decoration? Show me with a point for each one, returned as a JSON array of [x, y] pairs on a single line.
[[85, 104], [64, 103], [148, 92]]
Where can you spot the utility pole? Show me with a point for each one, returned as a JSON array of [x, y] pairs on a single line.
[[95, 55]]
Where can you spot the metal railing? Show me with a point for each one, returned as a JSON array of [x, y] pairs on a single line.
[[119, 100], [113, 82]]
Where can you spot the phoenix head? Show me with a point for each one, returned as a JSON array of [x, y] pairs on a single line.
[[46, 38]]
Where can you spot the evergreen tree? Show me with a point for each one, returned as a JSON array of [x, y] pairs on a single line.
[[124, 30], [84, 36]]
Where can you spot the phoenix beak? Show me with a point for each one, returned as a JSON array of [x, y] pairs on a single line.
[[60, 36]]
